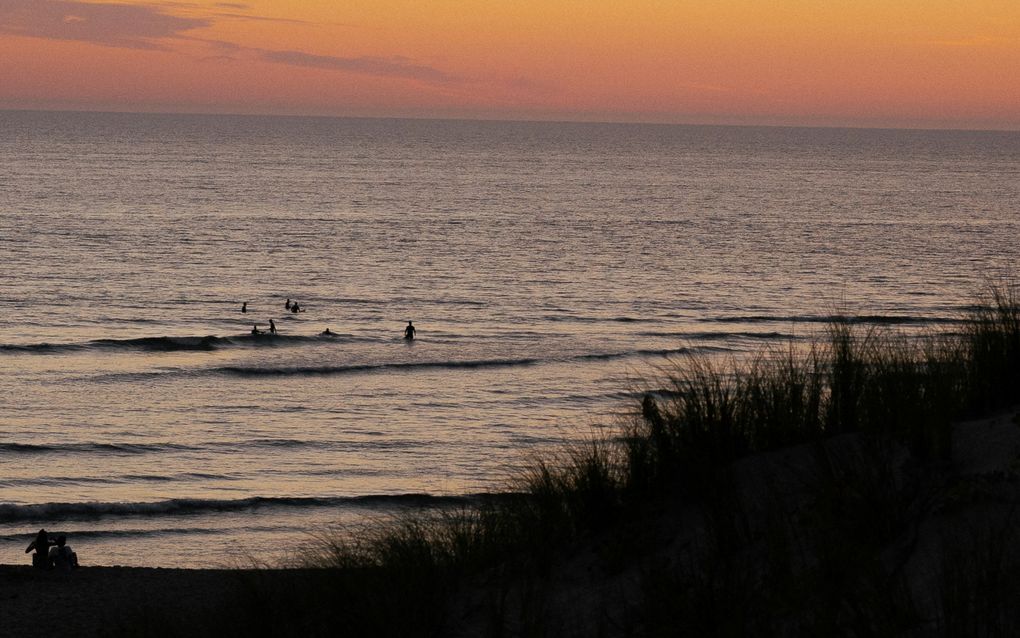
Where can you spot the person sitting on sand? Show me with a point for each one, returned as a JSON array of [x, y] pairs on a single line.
[[272, 327], [62, 556], [41, 545], [409, 331], [255, 329]]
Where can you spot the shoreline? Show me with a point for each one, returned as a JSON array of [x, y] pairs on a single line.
[[161, 601]]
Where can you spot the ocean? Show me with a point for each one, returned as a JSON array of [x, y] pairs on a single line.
[[553, 271]]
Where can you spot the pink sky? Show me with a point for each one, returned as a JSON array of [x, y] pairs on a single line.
[[896, 63]]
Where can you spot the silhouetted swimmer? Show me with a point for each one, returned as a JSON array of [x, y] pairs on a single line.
[[272, 327], [41, 545], [409, 331], [62, 556], [255, 329], [294, 307], [328, 333], [286, 304], [244, 307]]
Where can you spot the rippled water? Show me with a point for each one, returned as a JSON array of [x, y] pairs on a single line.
[[546, 267]]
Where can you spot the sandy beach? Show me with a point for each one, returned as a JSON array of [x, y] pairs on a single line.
[[93, 601], [125, 601]]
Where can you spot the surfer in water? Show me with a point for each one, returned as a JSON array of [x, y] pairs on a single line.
[[272, 327], [328, 333], [409, 331], [255, 329]]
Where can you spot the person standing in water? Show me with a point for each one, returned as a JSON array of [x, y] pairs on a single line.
[[244, 307], [409, 331], [286, 304], [272, 327]]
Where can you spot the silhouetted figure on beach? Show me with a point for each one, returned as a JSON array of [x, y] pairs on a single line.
[[409, 331], [295, 308], [41, 545], [255, 329], [328, 333], [272, 327], [286, 304], [244, 307], [62, 556]]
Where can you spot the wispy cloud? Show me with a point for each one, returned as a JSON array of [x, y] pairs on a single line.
[[395, 67], [119, 25], [157, 26]]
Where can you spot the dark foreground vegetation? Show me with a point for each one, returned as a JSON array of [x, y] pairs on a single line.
[[809, 491]]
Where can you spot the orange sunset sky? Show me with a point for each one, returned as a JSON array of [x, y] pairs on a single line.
[[910, 63]]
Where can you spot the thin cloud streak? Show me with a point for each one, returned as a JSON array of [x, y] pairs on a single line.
[[252, 18], [976, 41], [380, 67], [230, 10]]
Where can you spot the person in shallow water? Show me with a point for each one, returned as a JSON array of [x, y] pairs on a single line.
[[255, 329], [62, 556], [327, 333], [41, 545], [272, 327], [294, 307], [244, 307], [286, 304], [409, 331]]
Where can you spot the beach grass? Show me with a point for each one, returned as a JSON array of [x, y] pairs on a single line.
[[861, 399]]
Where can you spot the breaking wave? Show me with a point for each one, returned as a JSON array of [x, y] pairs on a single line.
[[856, 319], [179, 506], [174, 344], [260, 371]]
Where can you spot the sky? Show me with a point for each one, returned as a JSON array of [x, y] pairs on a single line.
[[886, 63]]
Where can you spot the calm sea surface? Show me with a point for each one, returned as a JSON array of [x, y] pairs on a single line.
[[547, 267]]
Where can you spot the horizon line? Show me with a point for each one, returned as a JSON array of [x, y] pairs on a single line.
[[512, 120]]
